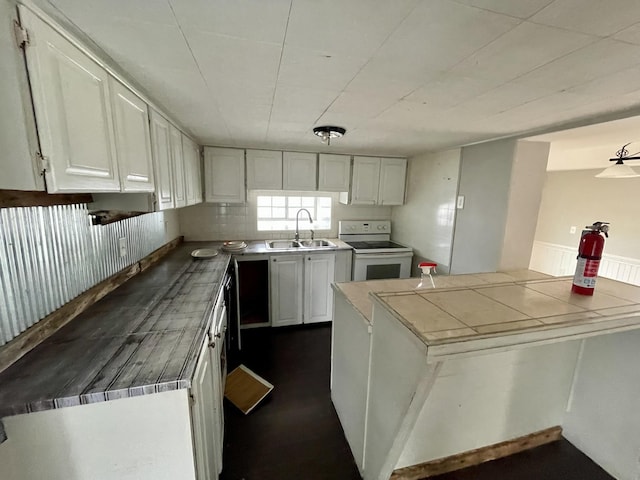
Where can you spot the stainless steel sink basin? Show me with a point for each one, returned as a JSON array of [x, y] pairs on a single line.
[[306, 244], [316, 243]]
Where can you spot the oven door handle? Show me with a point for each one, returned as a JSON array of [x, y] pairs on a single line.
[[383, 256]]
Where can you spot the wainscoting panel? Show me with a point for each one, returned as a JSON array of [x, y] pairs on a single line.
[[560, 260]]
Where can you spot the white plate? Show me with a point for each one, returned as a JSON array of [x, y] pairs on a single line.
[[204, 253]]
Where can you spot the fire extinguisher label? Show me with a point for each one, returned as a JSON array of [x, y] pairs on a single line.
[[586, 272]]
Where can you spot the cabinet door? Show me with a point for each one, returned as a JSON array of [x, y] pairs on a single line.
[[203, 417], [285, 280], [133, 142], [224, 175], [18, 137], [318, 296], [161, 149], [177, 167], [366, 176], [299, 171], [73, 112], [334, 172], [393, 173], [264, 170], [193, 171]]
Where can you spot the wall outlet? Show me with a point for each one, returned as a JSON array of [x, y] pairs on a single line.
[[122, 246], [572, 230]]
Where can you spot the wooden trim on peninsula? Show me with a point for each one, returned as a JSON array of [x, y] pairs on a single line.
[[37, 333], [478, 456]]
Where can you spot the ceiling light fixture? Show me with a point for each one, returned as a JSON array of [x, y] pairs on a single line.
[[619, 169], [326, 133]]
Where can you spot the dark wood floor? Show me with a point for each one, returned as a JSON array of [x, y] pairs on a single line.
[[295, 433]]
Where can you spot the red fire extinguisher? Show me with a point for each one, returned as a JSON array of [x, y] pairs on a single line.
[[589, 255]]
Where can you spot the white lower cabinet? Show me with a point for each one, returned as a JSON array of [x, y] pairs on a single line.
[[204, 411], [301, 288], [285, 279], [318, 276]]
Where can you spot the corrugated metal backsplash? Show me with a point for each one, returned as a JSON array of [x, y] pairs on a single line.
[[49, 255]]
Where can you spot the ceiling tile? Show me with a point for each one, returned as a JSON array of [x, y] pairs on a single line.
[[451, 89], [631, 34], [148, 11], [301, 67], [354, 28], [579, 66], [500, 99], [521, 50], [139, 42], [361, 104], [438, 34], [520, 8], [249, 19], [597, 17]]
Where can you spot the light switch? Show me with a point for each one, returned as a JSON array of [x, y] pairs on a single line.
[[572, 230], [460, 203]]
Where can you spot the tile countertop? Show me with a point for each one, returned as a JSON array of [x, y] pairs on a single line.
[[144, 337], [465, 320], [357, 293]]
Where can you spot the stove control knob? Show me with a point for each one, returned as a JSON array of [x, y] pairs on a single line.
[[382, 227]]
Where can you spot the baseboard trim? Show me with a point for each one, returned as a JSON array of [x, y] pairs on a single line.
[[38, 332], [478, 456]]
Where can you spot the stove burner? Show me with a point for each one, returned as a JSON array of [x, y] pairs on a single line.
[[371, 244]]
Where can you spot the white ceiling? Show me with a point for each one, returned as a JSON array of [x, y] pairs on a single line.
[[591, 146], [402, 76]]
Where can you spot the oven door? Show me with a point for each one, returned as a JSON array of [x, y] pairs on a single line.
[[374, 266]]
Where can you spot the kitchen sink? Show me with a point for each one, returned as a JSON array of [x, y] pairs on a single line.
[[306, 244]]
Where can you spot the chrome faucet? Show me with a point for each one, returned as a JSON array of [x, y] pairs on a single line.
[[297, 237]]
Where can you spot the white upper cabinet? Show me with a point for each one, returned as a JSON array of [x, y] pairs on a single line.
[[20, 170], [131, 117], [73, 112], [161, 148], [299, 171], [334, 172], [177, 167], [378, 181], [224, 175], [366, 176], [264, 170], [193, 171], [393, 172]]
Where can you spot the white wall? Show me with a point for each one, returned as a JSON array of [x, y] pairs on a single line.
[[220, 221], [485, 178], [528, 173], [604, 417], [426, 220], [577, 198]]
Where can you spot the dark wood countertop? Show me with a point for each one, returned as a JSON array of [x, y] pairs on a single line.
[[142, 338]]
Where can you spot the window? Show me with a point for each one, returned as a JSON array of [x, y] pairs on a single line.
[[278, 212]]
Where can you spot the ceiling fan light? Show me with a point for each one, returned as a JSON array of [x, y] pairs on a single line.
[[618, 170]]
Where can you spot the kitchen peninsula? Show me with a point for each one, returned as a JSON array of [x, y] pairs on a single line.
[[423, 375]]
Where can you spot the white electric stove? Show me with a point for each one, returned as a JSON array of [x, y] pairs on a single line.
[[375, 256]]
